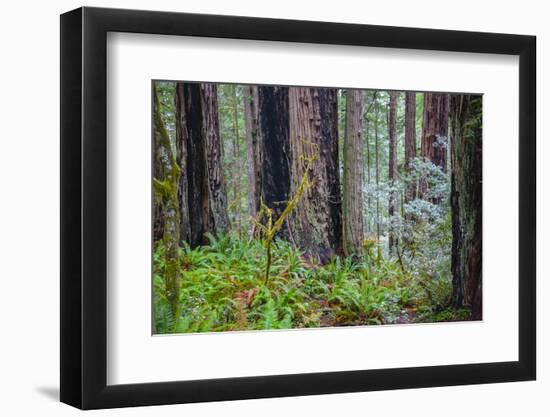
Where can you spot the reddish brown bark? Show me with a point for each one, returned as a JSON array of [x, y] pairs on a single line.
[[435, 127], [316, 222], [250, 94], [410, 140], [218, 219], [466, 202], [198, 130]]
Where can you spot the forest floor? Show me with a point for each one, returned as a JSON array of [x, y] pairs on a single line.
[[223, 288]]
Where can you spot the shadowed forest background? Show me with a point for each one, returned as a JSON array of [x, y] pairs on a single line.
[[292, 207]]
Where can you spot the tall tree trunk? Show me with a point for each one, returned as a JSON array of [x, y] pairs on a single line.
[[158, 222], [369, 163], [392, 167], [377, 162], [166, 191], [410, 141], [236, 162], [250, 94], [435, 127], [466, 201], [367, 175], [182, 143], [189, 113], [316, 221], [274, 141], [218, 220], [353, 174], [197, 123]]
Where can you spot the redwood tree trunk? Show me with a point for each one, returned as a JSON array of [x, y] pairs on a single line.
[[189, 112], [198, 129], [466, 201], [353, 233], [410, 141], [435, 127], [182, 143], [218, 220], [274, 141], [316, 221], [392, 167], [250, 94]]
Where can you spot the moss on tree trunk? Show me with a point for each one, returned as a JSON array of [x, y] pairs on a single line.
[[466, 201], [166, 193]]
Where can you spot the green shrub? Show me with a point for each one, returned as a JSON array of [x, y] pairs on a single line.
[[223, 288]]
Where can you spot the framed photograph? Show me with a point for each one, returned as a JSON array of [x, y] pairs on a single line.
[[257, 208]]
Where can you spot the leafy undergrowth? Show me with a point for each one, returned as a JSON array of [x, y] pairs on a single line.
[[222, 288]]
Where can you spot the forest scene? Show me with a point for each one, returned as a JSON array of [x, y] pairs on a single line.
[[281, 207]]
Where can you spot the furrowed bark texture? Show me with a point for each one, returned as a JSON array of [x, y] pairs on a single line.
[[189, 110], [250, 94], [316, 223], [197, 128], [410, 140], [182, 143], [353, 233], [377, 173], [466, 201], [218, 220], [274, 144], [236, 163], [435, 128], [166, 191], [392, 167]]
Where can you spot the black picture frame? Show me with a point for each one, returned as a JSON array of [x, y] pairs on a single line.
[[84, 207]]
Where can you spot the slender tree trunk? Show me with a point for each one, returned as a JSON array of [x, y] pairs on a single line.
[[253, 156], [367, 175], [369, 163], [317, 220], [466, 201], [218, 220], [442, 141], [236, 162], [377, 160], [392, 167], [353, 174], [435, 127], [158, 222], [410, 141], [166, 191]]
